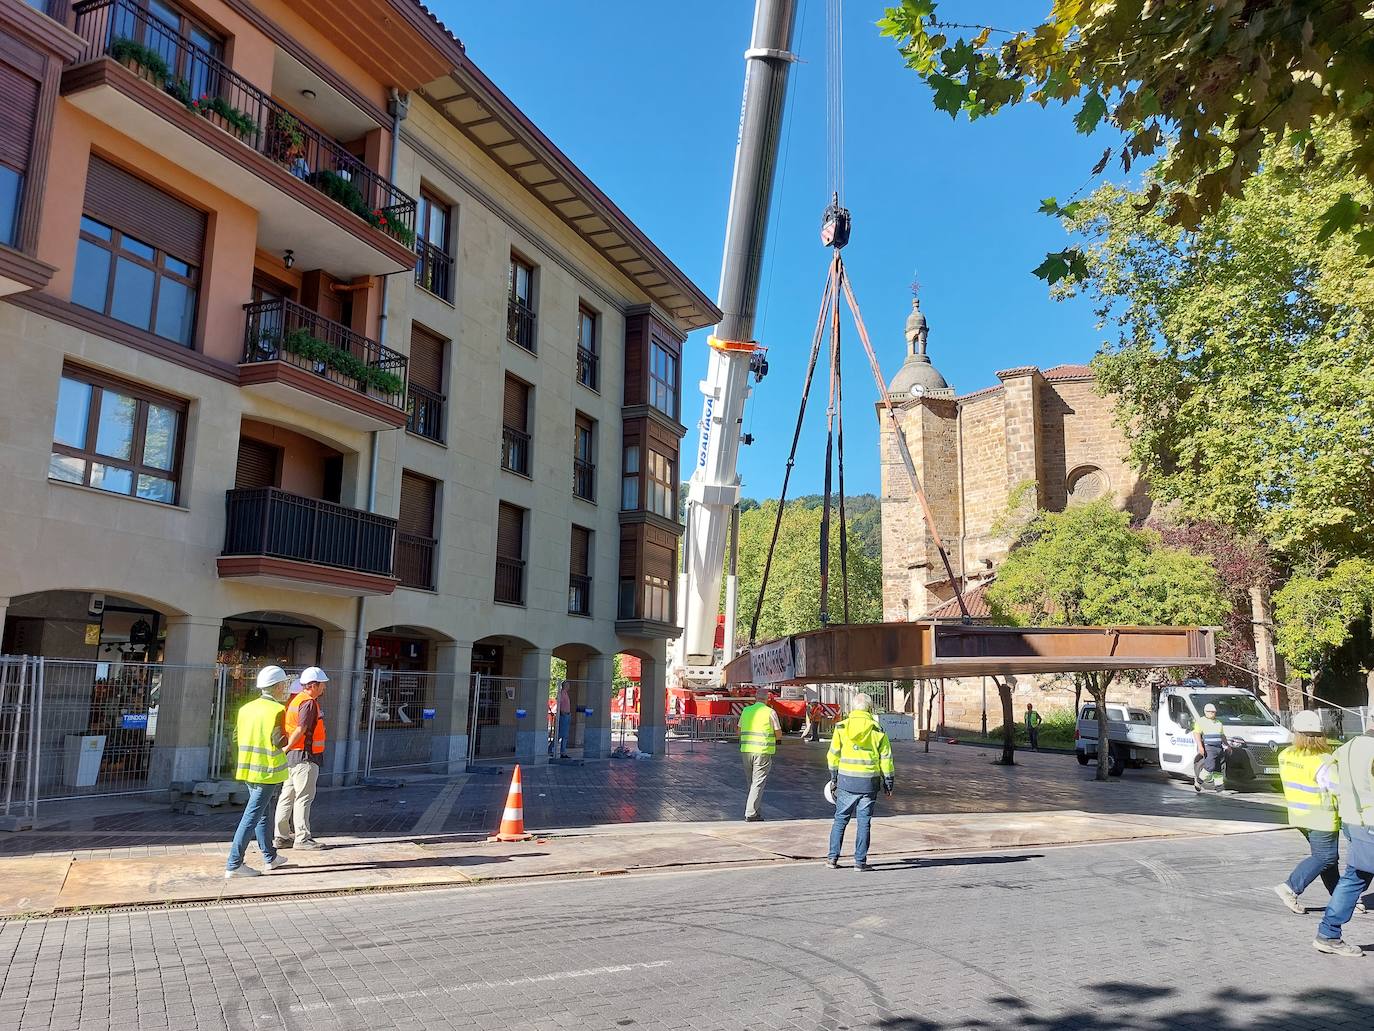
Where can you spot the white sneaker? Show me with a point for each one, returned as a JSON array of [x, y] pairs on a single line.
[[276, 864], [241, 871], [1360, 907], [1289, 898], [1338, 947]]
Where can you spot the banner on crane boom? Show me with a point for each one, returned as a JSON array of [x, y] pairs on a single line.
[[772, 663]]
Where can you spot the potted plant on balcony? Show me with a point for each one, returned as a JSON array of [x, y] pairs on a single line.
[[286, 141], [142, 61]]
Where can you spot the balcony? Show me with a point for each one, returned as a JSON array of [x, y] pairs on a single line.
[[588, 369], [273, 538], [515, 450], [313, 196], [425, 414], [579, 595], [434, 270], [299, 357], [584, 480], [415, 560], [510, 581], [520, 324]]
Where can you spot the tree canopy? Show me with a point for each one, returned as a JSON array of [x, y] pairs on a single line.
[[1222, 79]]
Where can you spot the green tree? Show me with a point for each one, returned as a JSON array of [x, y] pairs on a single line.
[[793, 601], [1087, 566], [1224, 79], [1315, 609]]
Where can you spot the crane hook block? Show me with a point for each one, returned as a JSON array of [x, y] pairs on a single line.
[[742, 346], [835, 226]]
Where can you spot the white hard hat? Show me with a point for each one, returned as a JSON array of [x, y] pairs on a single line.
[[830, 792], [1209, 707], [313, 675], [270, 676], [1307, 722]]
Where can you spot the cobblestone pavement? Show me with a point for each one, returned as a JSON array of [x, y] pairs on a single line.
[[702, 785], [1158, 936]]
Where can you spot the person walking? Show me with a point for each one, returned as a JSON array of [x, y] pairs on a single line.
[[304, 723], [1351, 775], [262, 766], [860, 761], [1311, 808], [759, 733], [1210, 764], [564, 720], [1033, 727]]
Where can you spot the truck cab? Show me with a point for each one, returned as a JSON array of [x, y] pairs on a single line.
[[1130, 736], [1253, 731]]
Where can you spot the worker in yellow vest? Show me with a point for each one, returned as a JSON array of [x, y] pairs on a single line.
[[1212, 746], [1311, 808], [262, 766], [860, 762], [759, 734]]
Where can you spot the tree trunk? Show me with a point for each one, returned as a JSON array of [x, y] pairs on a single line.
[[1008, 724], [1077, 694], [1265, 657], [1098, 683], [930, 711]]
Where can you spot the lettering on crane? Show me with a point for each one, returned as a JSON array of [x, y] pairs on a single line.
[[772, 663], [704, 444]]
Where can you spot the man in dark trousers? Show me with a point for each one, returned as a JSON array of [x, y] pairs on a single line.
[[1033, 727]]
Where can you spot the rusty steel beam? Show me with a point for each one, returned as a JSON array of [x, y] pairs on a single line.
[[901, 651]]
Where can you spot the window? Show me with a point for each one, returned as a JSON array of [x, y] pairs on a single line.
[[588, 374], [659, 489], [579, 572], [629, 480], [510, 555], [116, 438], [434, 270], [426, 403], [584, 468], [515, 438], [658, 599], [625, 603], [415, 536], [663, 379], [520, 305], [19, 90], [164, 29]]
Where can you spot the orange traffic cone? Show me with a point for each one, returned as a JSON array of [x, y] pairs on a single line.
[[513, 821]]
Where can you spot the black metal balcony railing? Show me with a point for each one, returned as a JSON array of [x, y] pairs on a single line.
[[271, 523], [520, 324], [125, 31], [579, 594], [584, 479], [283, 331], [515, 450], [588, 368], [425, 413], [434, 270], [510, 580], [415, 560]]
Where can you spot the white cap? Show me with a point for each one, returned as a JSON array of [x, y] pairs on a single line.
[[1307, 722], [269, 677], [313, 675]]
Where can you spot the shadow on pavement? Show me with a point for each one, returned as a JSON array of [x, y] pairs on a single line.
[[922, 863]]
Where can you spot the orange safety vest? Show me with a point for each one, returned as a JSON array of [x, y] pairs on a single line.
[[293, 721]]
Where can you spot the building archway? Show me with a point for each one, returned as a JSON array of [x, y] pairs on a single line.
[[508, 699], [409, 698], [580, 681]]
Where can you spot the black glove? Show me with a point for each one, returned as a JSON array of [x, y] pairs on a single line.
[[887, 784], [835, 779]]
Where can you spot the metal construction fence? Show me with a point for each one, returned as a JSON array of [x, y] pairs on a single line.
[[494, 715], [406, 723], [19, 712], [1337, 723]]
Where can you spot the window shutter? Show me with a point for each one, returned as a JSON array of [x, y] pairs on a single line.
[[658, 560], [579, 557], [510, 531], [19, 102], [416, 515], [426, 359], [142, 210], [257, 465], [515, 410]]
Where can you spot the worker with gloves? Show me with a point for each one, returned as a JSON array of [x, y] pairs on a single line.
[[1311, 808], [1350, 775], [860, 761], [1210, 764]]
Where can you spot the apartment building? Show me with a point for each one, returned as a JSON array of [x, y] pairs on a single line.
[[317, 350]]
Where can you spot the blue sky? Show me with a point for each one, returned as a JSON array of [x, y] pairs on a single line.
[[645, 98]]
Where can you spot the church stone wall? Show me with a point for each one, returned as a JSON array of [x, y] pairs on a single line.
[[1049, 694], [985, 476]]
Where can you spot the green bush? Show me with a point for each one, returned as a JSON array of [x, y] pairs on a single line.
[[1056, 729], [306, 345], [130, 51]]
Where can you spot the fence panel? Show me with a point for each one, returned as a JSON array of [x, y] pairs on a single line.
[[493, 719], [19, 695], [401, 712]]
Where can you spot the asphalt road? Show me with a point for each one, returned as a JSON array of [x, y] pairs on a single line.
[[1151, 935]]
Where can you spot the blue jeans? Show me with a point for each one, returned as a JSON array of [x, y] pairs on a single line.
[[564, 730], [1324, 862], [847, 805], [257, 820]]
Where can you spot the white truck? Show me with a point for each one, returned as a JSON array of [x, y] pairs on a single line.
[[1165, 736]]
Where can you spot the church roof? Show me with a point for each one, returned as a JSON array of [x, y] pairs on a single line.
[[1055, 374], [975, 600]]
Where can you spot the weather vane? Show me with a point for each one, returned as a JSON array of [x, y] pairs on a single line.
[[915, 286]]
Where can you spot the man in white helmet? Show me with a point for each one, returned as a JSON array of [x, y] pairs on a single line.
[[1351, 776], [1210, 764], [304, 757], [262, 766]]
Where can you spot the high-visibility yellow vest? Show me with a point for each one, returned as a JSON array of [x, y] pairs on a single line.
[[260, 761], [1308, 805], [756, 730], [1213, 733], [859, 748]]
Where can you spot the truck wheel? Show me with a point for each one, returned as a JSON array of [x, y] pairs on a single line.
[[1082, 758], [1116, 763]]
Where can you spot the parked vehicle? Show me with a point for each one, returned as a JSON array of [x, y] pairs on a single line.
[[1253, 731], [1130, 737]]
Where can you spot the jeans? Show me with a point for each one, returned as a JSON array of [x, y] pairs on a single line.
[[256, 820], [847, 805], [564, 732], [1341, 908], [297, 796], [756, 768], [1324, 862]]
